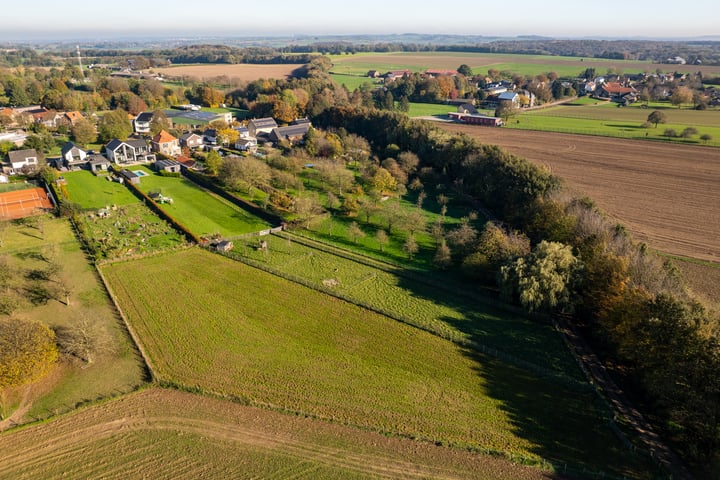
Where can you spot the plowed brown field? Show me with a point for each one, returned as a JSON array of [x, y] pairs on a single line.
[[168, 434], [667, 195], [246, 72]]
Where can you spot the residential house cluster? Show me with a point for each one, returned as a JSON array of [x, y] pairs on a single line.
[[393, 75]]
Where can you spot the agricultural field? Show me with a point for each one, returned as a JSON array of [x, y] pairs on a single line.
[[244, 72], [607, 119], [667, 195], [455, 317], [346, 365], [95, 192], [203, 212], [359, 64], [180, 435], [73, 381]]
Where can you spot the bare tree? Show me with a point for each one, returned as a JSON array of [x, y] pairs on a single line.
[[84, 338]]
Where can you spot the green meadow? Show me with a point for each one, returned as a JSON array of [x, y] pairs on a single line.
[[307, 353]]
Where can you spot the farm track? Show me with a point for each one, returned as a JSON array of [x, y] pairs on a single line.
[[667, 195], [118, 426]]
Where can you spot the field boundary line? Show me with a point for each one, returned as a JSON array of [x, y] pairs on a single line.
[[133, 335], [451, 336]]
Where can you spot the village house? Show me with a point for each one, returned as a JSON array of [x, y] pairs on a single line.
[[258, 126], [73, 157], [191, 140], [210, 136], [141, 123], [246, 144], [393, 75], [291, 133], [21, 160], [129, 151], [616, 92], [71, 118], [166, 144]]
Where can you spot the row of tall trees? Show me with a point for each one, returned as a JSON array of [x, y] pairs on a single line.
[[554, 253]]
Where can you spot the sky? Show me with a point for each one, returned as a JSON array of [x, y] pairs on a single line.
[[98, 19]]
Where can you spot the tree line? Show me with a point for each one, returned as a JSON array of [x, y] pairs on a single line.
[[556, 254]]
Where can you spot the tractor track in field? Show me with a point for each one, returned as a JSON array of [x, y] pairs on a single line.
[[69, 439]]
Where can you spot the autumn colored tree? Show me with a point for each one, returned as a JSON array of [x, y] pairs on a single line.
[[27, 351], [84, 132], [681, 95]]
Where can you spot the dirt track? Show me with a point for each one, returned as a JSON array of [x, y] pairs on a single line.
[[111, 441], [666, 195]]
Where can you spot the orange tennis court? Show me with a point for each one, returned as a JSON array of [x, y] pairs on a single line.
[[23, 203]]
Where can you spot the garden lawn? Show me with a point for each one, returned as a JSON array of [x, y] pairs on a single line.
[[241, 332], [94, 192], [203, 212]]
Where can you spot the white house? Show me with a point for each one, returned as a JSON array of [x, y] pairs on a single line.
[[19, 159]]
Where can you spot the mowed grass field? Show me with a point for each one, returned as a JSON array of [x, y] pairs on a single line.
[[166, 434], [117, 367], [361, 63], [607, 119], [92, 192], [243, 333], [203, 212]]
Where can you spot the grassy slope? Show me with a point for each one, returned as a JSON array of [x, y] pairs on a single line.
[[199, 210], [73, 382], [341, 363]]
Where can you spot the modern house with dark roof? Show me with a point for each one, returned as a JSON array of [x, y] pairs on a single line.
[[141, 123], [98, 163], [129, 151], [73, 157]]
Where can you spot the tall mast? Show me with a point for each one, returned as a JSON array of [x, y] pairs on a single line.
[[80, 61]]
